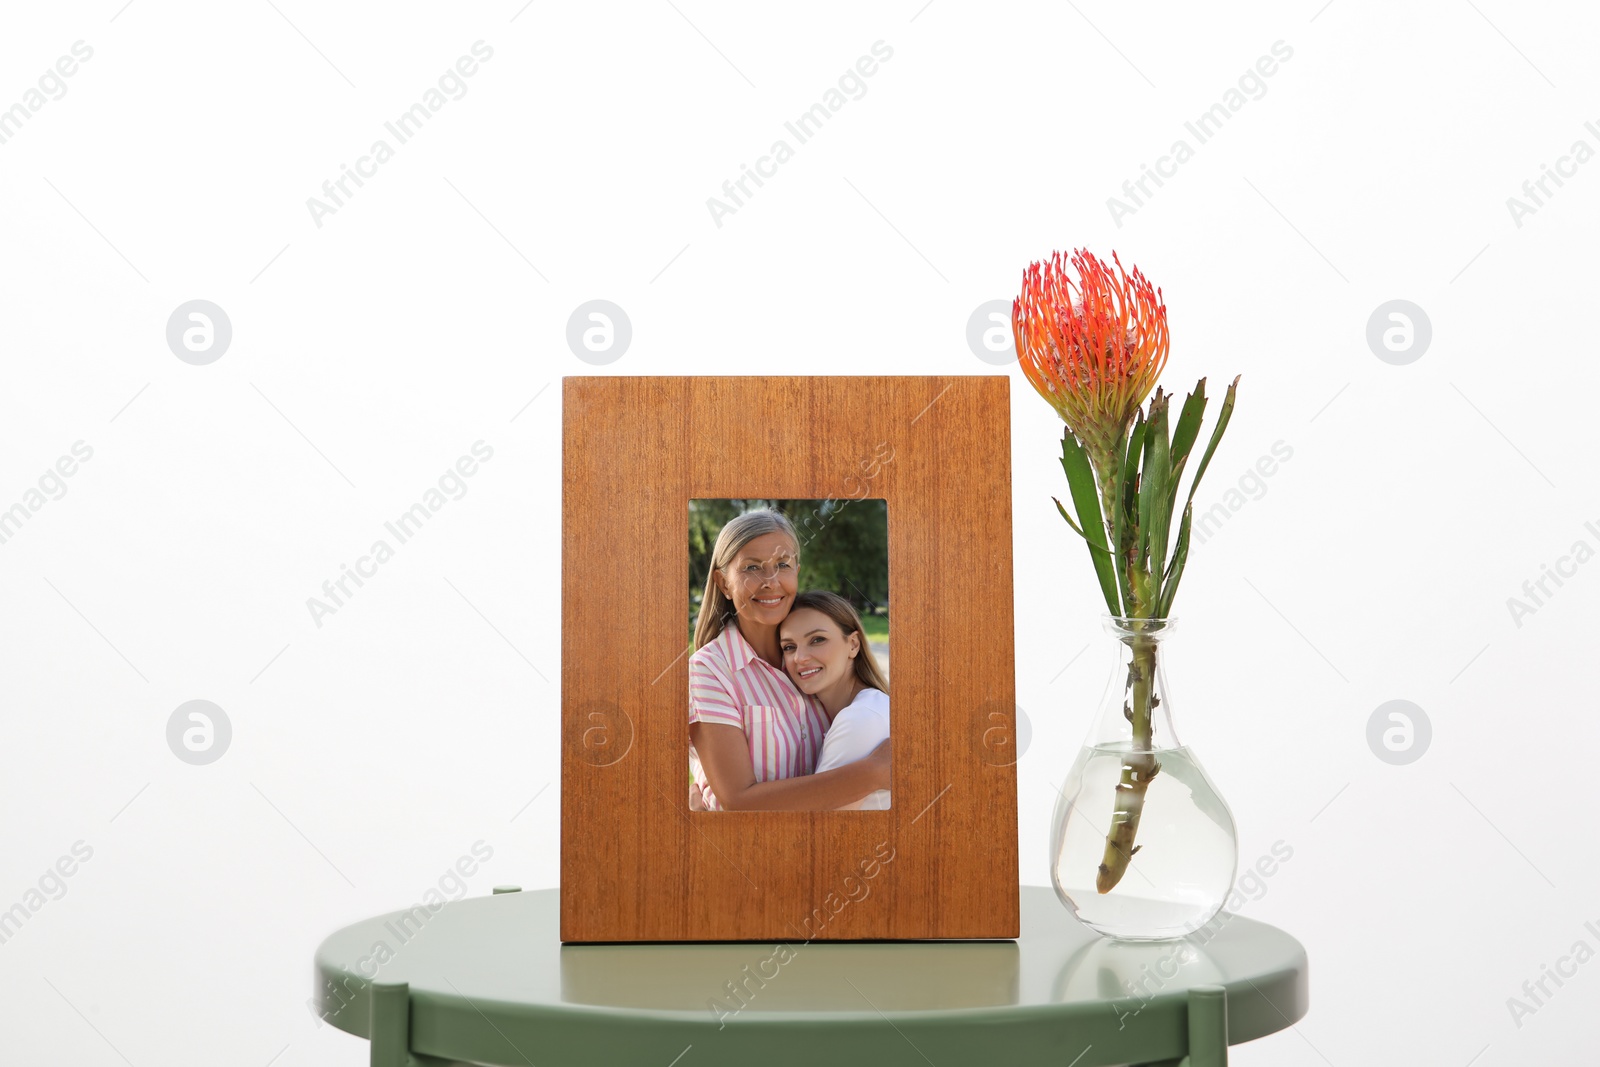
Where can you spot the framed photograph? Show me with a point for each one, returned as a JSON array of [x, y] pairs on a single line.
[[743, 759], [793, 660]]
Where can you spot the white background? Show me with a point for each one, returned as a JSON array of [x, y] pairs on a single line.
[[429, 312]]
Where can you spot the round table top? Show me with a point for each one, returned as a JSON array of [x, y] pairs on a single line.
[[491, 983]]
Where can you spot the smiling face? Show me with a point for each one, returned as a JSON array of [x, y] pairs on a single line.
[[762, 578], [816, 653]]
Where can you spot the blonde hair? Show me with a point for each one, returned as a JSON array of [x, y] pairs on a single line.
[[715, 606], [844, 616]]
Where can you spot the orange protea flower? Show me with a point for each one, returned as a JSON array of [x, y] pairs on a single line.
[[1092, 349]]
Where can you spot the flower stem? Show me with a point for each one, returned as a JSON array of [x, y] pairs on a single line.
[[1138, 767], [1106, 459]]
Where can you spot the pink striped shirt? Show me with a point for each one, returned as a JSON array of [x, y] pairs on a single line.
[[732, 685]]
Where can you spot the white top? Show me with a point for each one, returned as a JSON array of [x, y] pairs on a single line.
[[855, 732]]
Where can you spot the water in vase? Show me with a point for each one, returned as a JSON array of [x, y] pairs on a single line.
[[1184, 852]]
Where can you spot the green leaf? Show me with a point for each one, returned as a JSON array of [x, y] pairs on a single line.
[[1155, 511], [1180, 556], [1216, 436], [1075, 527], [1086, 500], [1124, 532], [1127, 492], [1079, 531], [1184, 434]]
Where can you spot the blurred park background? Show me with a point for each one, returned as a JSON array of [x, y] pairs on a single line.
[[844, 548]]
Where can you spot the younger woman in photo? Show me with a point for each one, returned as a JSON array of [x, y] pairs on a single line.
[[826, 653]]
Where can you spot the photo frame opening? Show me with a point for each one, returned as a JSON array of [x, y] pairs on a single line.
[[789, 705]]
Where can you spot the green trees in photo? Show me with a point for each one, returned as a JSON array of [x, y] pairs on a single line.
[[844, 546]]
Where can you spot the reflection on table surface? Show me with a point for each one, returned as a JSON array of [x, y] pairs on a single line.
[[792, 976], [507, 949], [1057, 961]]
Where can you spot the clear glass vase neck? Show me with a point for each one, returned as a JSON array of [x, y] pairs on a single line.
[[1135, 707], [1126, 626]]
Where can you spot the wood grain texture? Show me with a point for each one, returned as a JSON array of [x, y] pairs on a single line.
[[636, 864]]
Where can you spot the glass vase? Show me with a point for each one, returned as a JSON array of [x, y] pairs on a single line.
[[1142, 846]]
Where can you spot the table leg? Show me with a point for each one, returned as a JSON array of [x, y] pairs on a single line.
[[390, 1014], [1208, 1027], [1208, 1030]]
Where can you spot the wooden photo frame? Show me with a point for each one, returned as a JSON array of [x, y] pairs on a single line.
[[636, 863]]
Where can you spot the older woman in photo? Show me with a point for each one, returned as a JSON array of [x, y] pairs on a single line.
[[754, 737]]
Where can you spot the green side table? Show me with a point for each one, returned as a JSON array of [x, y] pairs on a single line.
[[486, 980]]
